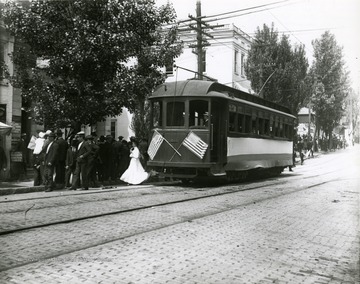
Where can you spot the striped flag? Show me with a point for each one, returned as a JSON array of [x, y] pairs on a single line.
[[155, 144], [195, 145]]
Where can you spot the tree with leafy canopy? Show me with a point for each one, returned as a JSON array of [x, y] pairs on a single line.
[[99, 55], [331, 84], [353, 110], [277, 71]]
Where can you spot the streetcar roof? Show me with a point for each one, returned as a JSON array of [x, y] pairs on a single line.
[[200, 88]]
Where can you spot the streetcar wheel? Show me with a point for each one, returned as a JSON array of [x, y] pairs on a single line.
[[185, 181]]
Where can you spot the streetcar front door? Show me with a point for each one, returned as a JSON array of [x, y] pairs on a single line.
[[218, 132]]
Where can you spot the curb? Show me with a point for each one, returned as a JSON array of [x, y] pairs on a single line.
[[29, 189], [16, 190]]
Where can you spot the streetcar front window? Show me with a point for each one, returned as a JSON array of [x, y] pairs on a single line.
[[198, 113], [175, 114]]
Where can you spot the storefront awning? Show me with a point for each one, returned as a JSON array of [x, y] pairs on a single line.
[[5, 129]]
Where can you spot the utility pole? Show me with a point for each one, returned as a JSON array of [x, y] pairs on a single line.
[[201, 41]]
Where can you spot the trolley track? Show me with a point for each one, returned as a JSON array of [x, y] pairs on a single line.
[[153, 205], [78, 199], [66, 250]]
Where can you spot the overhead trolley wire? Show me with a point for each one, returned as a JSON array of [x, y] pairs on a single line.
[[232, 12], [244, 14], [246, 9]]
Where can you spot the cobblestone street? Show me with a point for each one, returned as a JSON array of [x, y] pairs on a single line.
[[302, 227]]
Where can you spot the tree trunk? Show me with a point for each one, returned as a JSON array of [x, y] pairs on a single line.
[[330, 140], [315, 146]]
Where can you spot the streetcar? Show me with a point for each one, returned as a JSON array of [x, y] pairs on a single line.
[[202, 129]]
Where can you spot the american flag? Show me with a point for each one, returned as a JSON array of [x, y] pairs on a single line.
[[155, 144], [195, 145]]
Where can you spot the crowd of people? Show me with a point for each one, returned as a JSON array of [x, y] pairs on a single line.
[[84, 161]]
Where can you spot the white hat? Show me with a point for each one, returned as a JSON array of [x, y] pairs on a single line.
[[41, 134], [80, 133], [48, 132]]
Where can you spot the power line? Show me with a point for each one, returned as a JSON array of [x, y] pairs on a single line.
[[231, 12], [246, 9], [300, 31], [209, 18], [288, 29], [248, 13], [243, 14]]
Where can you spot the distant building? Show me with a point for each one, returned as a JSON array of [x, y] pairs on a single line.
[[115, 126], [345, 131], [223, 60], [11, 111], [306, 119]]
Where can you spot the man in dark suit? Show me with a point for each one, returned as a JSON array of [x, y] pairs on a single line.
[[3, 161], [50, 159], [92, 160], [22, 147], [60, 166], [82, 156]]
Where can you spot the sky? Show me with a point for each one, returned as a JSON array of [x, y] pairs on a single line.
[[303, 20]]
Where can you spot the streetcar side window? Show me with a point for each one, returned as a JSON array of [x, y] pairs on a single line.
[[291, 131], [255, 121], [262, 123], [281, 128], [157, 114], [261, 126], [241, 123], [254, 129], [267, 127], [175, 114], [288, 130], [274, 129], [247, 124], [199, 113], [247, 116], [232, 117]]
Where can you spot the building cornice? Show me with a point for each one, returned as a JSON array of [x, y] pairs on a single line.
[[225, 33]]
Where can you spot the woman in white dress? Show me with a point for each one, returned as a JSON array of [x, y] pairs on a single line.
[[135, 173]]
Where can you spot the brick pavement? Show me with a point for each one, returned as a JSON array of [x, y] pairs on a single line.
[[57, 206], [304, 237], [53, 241], [309, 236]]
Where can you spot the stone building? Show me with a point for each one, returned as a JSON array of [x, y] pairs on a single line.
[[10, 100], [223, 59]]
